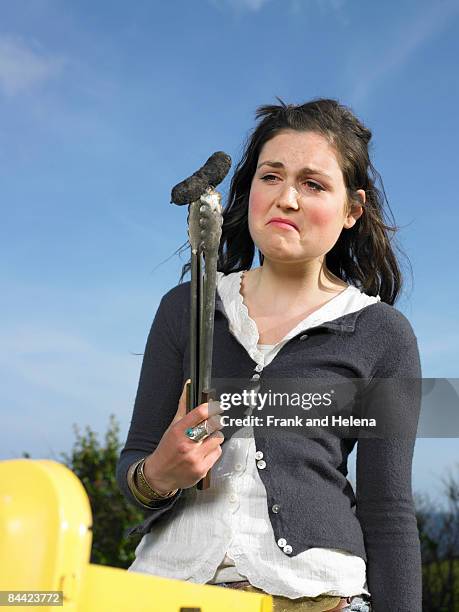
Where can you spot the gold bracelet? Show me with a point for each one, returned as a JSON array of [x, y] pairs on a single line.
[[145, 501], [132, 486], [148, 502], [144, 487]]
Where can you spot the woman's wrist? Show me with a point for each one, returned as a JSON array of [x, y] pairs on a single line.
[[147, 496], [148, 484]]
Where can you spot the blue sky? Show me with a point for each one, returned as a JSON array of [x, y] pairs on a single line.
[[104, 106]]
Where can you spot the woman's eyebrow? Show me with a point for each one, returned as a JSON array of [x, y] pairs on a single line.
[[306, 170]]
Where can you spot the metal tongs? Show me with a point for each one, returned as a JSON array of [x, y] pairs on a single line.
[[204, 232]]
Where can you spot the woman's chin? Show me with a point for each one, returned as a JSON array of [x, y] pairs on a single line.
[[283, 253]]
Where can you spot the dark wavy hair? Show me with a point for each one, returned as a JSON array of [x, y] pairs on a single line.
[[363, 254]]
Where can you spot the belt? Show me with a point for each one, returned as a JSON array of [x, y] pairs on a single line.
[[337, 602], [234, 585]]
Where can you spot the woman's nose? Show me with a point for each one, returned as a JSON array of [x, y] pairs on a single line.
[[288, 198]]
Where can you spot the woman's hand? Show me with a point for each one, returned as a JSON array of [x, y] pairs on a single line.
[[178, 462]]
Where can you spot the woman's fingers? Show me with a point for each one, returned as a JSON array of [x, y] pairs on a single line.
[[198, 415], [214, 423], [215, 408], [212, 441], [212, 448]]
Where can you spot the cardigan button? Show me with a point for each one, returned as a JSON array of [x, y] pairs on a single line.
[[287, 549], [258, 455], [261, 464], [258, 368], [275, 508], [255, 377], [304, 337], [281, 542]]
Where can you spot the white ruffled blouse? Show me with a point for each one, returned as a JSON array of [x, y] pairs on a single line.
[[237, 542]]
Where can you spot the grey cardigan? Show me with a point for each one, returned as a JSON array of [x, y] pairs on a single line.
[[305, 477]]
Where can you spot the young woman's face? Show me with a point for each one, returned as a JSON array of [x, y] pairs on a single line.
[[298, 178]]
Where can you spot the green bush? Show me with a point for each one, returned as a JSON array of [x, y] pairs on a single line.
[[439, 536], [95, 466]]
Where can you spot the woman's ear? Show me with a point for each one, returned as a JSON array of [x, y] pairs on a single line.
[[356, 210], [362, 195]]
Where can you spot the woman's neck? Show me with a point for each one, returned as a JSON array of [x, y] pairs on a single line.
[[274, 290]]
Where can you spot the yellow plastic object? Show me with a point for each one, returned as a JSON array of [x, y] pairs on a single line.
[[108, 589], [45, 528], [45, 545]]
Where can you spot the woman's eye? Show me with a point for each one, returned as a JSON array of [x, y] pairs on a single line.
[[316, 186]]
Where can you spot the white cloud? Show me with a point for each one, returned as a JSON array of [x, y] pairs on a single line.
[[23, 68], [64, 365], [241, 5], [335, 9], [51, 379], [401, 46]]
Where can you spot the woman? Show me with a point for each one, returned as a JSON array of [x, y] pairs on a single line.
[[280, 516]]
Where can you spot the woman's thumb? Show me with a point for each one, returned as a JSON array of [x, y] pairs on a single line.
[[181, 410]]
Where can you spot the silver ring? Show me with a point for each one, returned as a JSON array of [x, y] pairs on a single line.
[[197, 433]]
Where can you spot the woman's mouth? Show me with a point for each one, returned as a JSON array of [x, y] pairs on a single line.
[[283, 224]]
